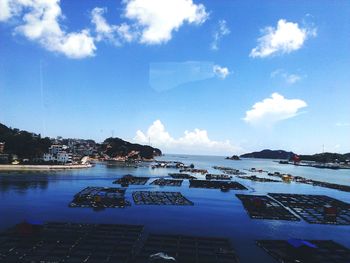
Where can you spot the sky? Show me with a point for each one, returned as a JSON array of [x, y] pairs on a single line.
[[187, 76]]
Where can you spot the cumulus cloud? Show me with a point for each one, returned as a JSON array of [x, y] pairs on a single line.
[[221, 72], [157, 19], [149, 22], [192, 142], [287, 77], [287, 37], [40, 23], [273, 109], [115, 34], [221, 31]]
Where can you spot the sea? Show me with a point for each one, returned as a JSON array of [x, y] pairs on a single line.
[[44, 197]]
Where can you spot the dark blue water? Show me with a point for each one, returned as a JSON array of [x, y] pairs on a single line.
[[44, 196]]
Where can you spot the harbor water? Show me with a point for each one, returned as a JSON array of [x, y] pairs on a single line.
[[44, 196]]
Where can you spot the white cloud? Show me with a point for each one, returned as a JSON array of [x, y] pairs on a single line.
[[221, 31], [157, 19], [149, 22], [287, 37], [221, 72], [102, 28], [115, 34], [40, 22], [5, 10], [292, 78], [192, 142], [342, 124], [287, 77], [273, 109]]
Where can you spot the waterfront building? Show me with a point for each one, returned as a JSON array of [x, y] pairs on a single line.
[[64, 157], [2, 147], [55, 148]]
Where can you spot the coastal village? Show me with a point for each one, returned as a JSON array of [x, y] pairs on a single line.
[[63, 152], [71, 152], [19, 147]]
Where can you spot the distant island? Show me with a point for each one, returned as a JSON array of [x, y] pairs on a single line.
[[19, 147], [233, 157], [291, 156], [318, 160], [326, 157], [270, 154]]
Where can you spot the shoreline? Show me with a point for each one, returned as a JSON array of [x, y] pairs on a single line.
[[20, 167]]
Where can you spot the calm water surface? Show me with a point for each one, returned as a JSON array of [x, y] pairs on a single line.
[[44, 196]]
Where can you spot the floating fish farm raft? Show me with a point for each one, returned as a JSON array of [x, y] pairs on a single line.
[[100, 197], [95, 243], [183, 249], [159, 198], [228, 170], [340, 187], [193, 170], [167, 182], [316, 209], [223, 185], [181, 176], [264, 207], [254, 178], [302, 180], [66, 242], [130, 179], [217, 177], [306, 251]]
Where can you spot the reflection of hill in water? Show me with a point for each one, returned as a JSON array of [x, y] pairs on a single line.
[[23, 182]]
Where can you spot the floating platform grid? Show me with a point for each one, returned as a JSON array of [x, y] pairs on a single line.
[[303, 180], [181, 176], [130, 179], [218, 177], [193, 170], [223, 168], [306, 251], [187, 249], [75, 242], [67, 242], [223, 185], [316, 209], [254, 178], [100, 197], [340, 187], [167, 182], [264, 207], [160, 198], [229, 170]]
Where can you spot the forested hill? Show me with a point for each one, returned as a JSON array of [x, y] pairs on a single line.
[[30, 145], [23, 143], [117, 147], [269, 154], [326, 157]]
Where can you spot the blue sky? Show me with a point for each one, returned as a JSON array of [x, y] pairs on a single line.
[[208, 77]]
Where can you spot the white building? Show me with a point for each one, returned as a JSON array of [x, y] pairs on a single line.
[[55, 148], [48, 157], [59, 157], [64, 157]]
